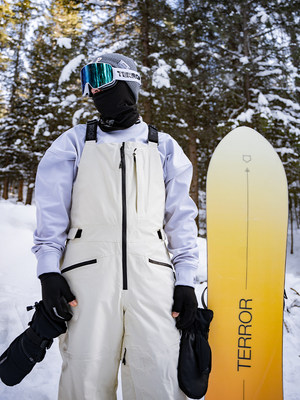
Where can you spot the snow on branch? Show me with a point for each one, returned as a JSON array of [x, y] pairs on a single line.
[[77, 115], [160, 77], [64, 42], [246, 116], [289, 103], [270, 72], [69, 68], [285, 150]]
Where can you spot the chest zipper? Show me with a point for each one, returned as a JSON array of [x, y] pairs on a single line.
[[124, 218], [136, 179]]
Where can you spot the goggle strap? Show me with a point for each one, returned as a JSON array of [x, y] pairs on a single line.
[[86, 90], [121, 74]]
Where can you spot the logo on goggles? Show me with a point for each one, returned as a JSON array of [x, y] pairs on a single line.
[[125, 74]]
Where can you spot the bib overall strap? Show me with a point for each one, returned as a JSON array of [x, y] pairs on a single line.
[[91, 130], [152, 134]]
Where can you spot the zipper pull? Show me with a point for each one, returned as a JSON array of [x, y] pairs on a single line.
[[28, 308], [134, 155], [124, 357]]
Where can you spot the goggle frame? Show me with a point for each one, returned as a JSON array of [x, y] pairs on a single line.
[[103, 76]]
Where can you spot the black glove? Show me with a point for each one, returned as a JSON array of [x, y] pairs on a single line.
[[185, 303], [56, 294]]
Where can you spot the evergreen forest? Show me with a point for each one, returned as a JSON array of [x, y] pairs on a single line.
[[207, 67]]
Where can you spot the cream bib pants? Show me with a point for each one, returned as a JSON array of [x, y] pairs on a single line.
[[117, 265]]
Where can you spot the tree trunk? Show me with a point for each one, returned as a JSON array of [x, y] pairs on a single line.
[[291, 225], [194, 191], [20, 190], [293, 197], [189, 114], [29, 193], [145, 57], [17, 66], [246, 53], [5, 189]]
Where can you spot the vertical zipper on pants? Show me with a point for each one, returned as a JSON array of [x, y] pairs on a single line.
[[124, 218]]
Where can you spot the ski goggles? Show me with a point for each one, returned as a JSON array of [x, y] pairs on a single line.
[[101, 75]]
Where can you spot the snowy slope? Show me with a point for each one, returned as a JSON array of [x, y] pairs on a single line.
[[19, 287]]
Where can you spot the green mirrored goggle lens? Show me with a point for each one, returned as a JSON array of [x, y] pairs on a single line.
[[96, 75]]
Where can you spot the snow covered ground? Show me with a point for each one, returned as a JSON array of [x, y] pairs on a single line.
[[19, 287]]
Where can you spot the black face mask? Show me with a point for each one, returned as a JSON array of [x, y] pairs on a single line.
[[117, 107]]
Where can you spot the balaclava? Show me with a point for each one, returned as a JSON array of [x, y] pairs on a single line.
[[117, 105]]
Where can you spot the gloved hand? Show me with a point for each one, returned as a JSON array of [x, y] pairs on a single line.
[[56, 294], [185, 303], [30, 347]]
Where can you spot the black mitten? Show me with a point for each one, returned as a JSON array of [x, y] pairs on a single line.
[[56, 294], [194, 364], [30, 347], [185, 303]]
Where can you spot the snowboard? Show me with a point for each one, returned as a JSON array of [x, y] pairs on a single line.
[[247, 216]]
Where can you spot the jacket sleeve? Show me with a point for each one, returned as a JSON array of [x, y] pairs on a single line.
[[53, 191], [180, 213]]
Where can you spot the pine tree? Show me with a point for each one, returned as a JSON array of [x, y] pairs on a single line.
[[13, 122], [6, 16], [193, 89], [40, 106], [52, 103], [256, 76], [286, 100]]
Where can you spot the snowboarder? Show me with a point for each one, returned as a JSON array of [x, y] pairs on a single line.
[[108, 194]]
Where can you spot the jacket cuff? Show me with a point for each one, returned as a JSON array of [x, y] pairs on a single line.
[[48, 261], [185, 275]]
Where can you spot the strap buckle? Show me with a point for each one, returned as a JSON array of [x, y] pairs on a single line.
[[91, 130], [152, 134]]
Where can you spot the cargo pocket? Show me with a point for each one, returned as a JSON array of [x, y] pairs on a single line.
[[79, 265]]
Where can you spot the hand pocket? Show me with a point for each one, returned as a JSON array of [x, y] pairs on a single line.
[[79, 265], [162, 264]]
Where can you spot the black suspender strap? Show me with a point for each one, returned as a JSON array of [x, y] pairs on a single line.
[[91, 130], [152, 134]]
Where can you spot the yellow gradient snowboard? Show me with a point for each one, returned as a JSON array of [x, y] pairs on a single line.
[[247, 215]]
